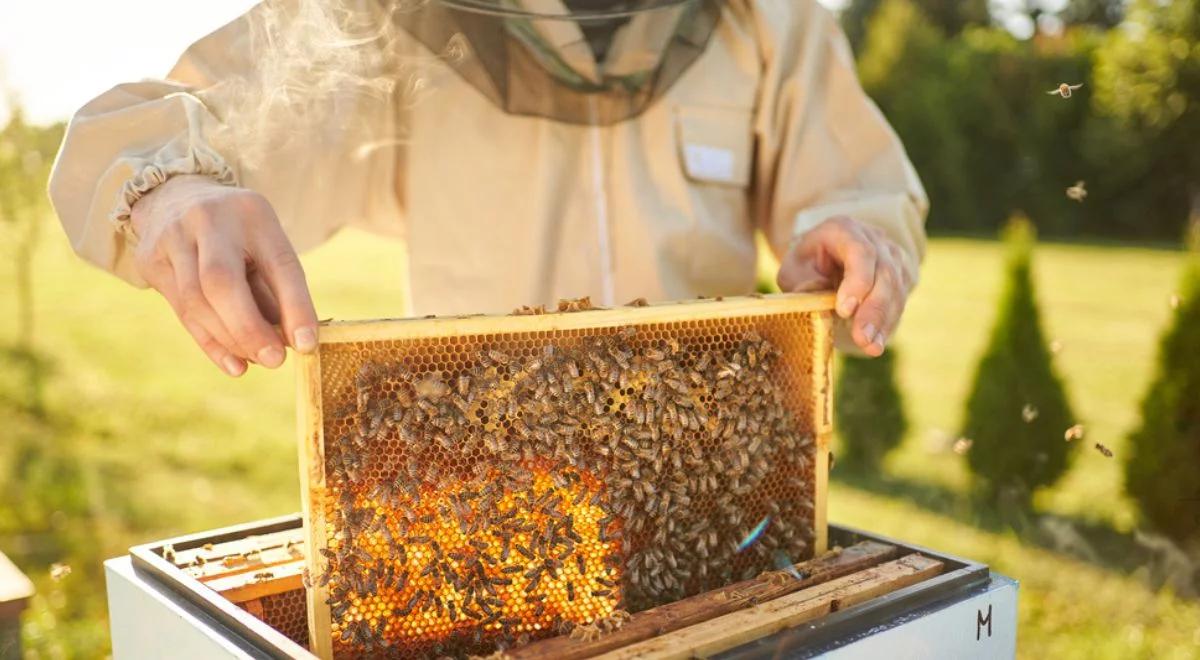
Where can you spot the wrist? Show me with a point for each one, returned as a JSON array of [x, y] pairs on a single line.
[[153, 206]]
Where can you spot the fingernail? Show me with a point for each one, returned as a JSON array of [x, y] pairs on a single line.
[[305, 340], [233, 366], [271, 356], [880, 341], [869, 332], [847, 306]]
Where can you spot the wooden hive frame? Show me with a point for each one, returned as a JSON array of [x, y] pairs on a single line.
[[312, 416]]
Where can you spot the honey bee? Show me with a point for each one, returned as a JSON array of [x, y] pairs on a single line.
[[1104, 450], [1064, 90], [1077, 192], [1029, 413], [637, 302]]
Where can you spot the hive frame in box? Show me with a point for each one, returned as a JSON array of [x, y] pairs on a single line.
[[311, 422]]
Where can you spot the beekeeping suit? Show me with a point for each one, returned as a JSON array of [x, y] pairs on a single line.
[[525, 150]]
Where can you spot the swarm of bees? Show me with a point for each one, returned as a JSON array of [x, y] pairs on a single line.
[[541, 492]]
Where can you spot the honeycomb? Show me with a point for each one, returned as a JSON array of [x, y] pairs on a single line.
[[482, 489], [285, 612]]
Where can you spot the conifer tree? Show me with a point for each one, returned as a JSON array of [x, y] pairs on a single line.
[[1017, 411]]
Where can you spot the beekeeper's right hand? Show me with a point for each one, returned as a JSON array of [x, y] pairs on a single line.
[[219, 256]]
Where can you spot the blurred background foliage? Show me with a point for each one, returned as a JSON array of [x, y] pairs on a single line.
[[116, 431], [969, 99]]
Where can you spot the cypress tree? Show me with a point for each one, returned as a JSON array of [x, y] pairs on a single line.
[[1017, 411], [868, 410], [1162, 472]]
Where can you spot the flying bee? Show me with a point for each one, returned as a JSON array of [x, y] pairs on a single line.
[[1077, 192], [1064, 90], [1104, 450], [1029, 413], [1074, 433]]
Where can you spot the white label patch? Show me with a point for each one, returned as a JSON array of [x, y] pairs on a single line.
[[712, 163]]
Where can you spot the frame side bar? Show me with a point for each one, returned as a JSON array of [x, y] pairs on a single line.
[[312, 487]]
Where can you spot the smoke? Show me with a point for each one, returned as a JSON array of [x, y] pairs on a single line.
[[319, 71]]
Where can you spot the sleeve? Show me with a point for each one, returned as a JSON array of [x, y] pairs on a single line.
[[824, 148], [222, 112]]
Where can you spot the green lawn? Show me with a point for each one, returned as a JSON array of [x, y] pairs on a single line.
[[143, 438]]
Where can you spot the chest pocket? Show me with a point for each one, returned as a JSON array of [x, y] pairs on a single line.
[[716, 145]]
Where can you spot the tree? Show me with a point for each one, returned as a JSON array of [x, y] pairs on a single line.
[[1101, 13], [949, 16], [1161, 471], [1017, 411], [869, 410], [1148, 76], [25, 155]]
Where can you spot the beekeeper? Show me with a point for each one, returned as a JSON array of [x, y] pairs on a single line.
[[525, 150]]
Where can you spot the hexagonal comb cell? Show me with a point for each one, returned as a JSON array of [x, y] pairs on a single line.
[[476, 483]]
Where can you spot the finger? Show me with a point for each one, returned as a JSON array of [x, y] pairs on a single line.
[[194, 307], [220, 356], [263, 297], [876, 318], [857, 255], [908, 272], [223, 281], [802, 275], [283, 273]]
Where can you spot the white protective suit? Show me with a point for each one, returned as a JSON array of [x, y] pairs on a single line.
[[767, 130]]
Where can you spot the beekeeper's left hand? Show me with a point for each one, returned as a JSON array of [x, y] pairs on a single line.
[[872, 274]]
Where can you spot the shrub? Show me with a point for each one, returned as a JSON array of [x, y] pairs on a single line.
[[1017, 410], [1164, 454], [869, 410]]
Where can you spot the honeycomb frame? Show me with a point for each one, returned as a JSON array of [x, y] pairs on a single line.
[[802, 374]]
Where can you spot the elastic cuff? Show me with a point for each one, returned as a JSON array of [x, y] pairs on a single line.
[[197, 160]]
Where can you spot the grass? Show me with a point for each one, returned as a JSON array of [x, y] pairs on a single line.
[[142, 438]]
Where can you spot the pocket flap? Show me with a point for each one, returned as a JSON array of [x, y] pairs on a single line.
[[715, 144]]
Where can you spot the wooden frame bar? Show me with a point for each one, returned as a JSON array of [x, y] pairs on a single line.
[[312, 481], [703, 607], [725, 632]]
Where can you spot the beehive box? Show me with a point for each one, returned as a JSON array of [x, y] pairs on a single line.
[[475, 483]]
